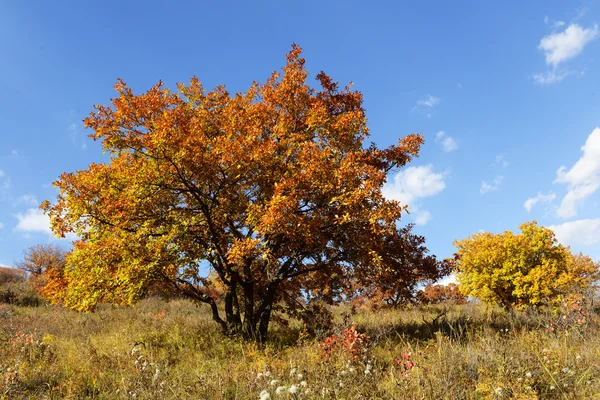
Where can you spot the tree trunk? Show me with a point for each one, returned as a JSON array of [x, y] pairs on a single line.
[[265, 311], [217, 318], [248, 324], [232, 313], [263, 326]]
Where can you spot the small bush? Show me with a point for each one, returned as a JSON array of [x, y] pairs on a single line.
[[20, 293]]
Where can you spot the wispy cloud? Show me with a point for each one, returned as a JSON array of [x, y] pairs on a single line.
[[427, 105], [555, 24], [550, 77], [501, 161], [491, 187], [76, 137], [15, 155], [411, 185], [447, 142], [422, 217], [540, 198], [5, 183], [27, 199], [583, 179], [581, 13]]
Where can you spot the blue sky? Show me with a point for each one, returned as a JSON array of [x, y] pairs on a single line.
[[505, 93]]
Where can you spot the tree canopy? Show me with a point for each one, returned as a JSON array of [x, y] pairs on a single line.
[[436, 294], [45, 264], [40, 258], [517, 270], [273, 190], [409, 266]]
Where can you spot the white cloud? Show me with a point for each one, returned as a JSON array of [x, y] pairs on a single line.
[[75, 137], [430, 101], [1, 225], [486, 187], [410, 185], [558, 24], [72, 130], [4, 182], [546, 20], [422, 217], [15, 155], [562, 46], [581, 232], [28, 199], [540, 198], [501, 161], [581, 13], [583, 178], [426, 106], [559, 47], [447, 280], [33, 221], [413, 183], [490, 187], [448, 143], [550, 77]]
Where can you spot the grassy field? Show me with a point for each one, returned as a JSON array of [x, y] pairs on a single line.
[[172, 350]]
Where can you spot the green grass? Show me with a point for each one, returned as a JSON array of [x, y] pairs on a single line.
[[172, 350]]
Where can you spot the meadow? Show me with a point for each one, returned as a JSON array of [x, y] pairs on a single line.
[[163, 349]]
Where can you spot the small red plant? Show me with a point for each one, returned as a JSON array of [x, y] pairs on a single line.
[[404, 364], [350, 343], [21, 339], [161, 315]]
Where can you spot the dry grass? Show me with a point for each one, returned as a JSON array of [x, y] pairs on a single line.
[[172, 350]]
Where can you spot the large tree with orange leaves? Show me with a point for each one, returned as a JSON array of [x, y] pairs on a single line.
[[272, 189]]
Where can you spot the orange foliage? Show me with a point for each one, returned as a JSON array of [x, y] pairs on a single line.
[[11, 275], [45, 264], [273, 189], [406, 267], [351, 344], [435, 294]]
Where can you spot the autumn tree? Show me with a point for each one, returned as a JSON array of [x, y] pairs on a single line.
[[45, 265], [41, 257], [9, 275], [271, 189], [517, 270], [435, 294], [406, 267]]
